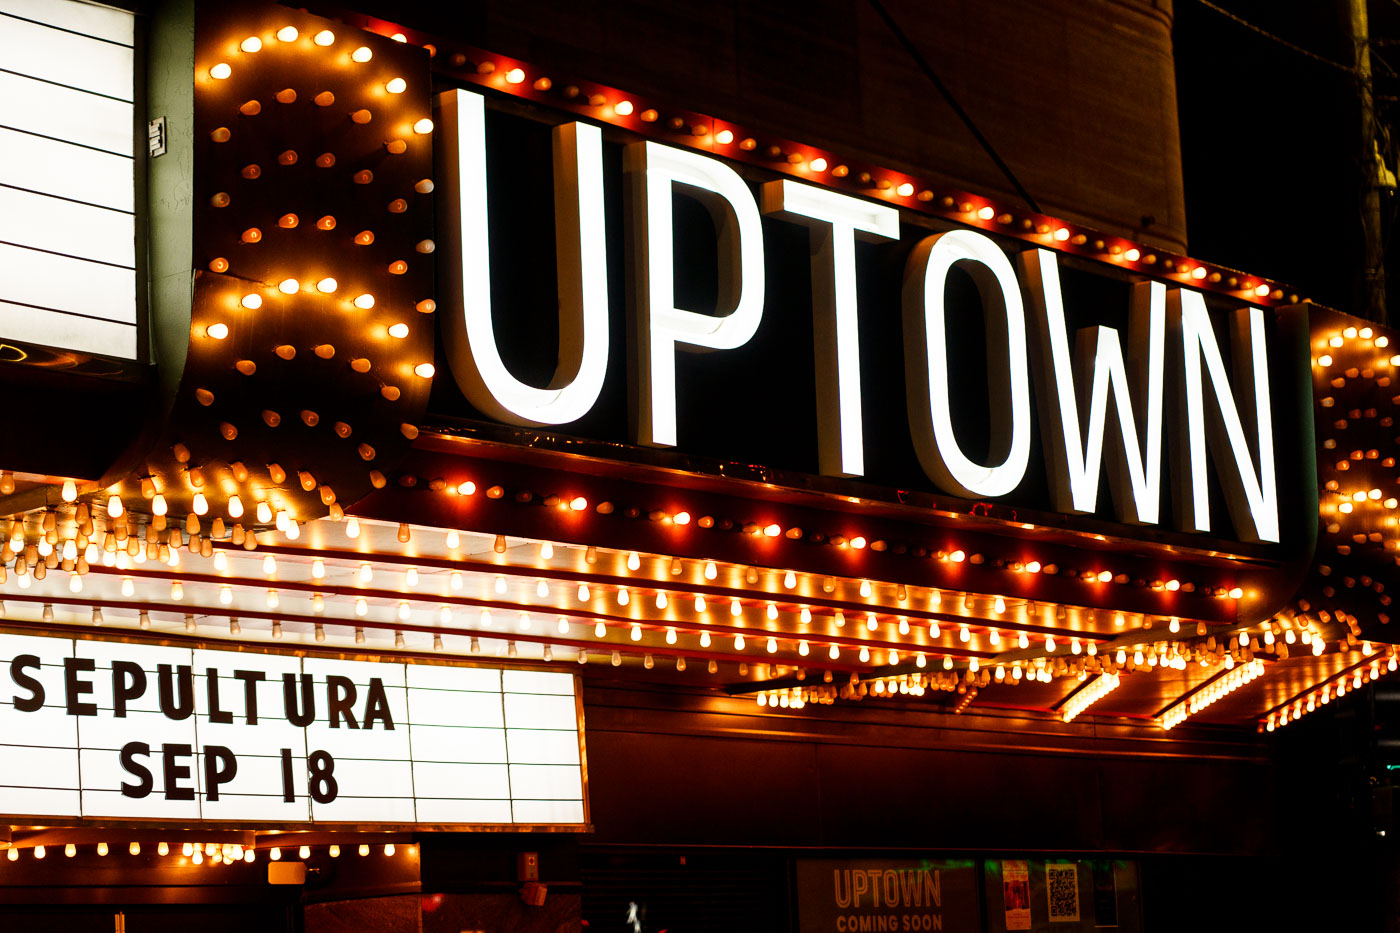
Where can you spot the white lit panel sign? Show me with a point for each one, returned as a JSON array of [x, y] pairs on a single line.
[[99, 730], [67, 177]]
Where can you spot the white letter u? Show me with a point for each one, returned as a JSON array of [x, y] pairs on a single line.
[[580, 240]]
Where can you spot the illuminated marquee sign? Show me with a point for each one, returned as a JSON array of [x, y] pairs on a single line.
[[67, 177], [1103, 396], [97, 729]]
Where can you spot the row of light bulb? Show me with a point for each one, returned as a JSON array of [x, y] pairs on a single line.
[[1088, 695], [855, 542], [216, 853], [633, 563], [808, 163], [1323, 694], [1216, 690]]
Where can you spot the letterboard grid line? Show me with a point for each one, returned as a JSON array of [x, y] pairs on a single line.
[[68, 87], [78, 735], [69, 142], [408, 735], [54, 252], [71, 32], [505, 744], [199, 794]]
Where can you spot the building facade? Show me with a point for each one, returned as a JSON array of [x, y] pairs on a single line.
[[689, 468]]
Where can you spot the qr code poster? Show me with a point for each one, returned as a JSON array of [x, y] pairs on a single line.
[[1062, 886]]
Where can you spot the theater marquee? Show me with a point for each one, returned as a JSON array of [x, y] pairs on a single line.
[[105, 729]]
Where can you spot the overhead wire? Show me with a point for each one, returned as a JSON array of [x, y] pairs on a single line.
[[962, 114], [1322, 59]]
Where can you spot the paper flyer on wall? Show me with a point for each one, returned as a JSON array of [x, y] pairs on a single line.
[[1016, 894]]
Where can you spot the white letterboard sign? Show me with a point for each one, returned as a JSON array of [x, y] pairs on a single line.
[[98, 729], [67, 176]]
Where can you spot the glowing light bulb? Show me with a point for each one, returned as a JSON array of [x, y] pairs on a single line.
[[324, 38], [699, 603], [289, 286], [396, 85], [361, 55], [220, 71], [287, 34], [235, 507], [633, 561], [398, 331], [710, 570], [738, 642], [599, 629]]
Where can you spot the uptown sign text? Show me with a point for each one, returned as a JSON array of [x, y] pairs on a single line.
[[1100, 392]]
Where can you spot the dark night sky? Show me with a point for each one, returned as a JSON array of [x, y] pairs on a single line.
[[1269, 140]]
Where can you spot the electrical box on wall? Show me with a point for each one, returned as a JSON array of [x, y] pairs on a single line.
[[528, 866]]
